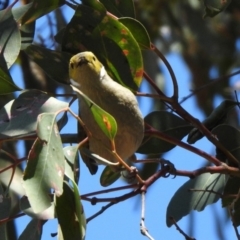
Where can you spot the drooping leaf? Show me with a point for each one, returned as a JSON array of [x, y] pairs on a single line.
[[25, 207], [108, 176], [33, 230], [27, 34], [138, 31], [184, 201], [55, 60], [6, 83], [123, 8], [18, 118], [77, 36], [167, 123], [72, 167], [10, 40], [229, 137], [230, 197], [62, 121], [218, 116], [40, 8], [212, 11], [105, 121], [27, 30], [116, 31], [9, 178], [69, 217], [5, 208], [45, 167], [88, 160], [79, 210]]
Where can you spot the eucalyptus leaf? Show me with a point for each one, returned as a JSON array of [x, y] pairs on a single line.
[[68, 209], [32, 231], [108, 177], [105, 121], [10, 40], [18, 118], [55, 60], [40, 8], [123, 8], [206, 186], [45, 167], [167, 123], [138, 31]]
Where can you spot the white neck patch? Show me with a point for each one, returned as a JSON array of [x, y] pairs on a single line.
[[102, 72], [74, 83]]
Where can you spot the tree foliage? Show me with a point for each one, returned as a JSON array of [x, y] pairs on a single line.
[[129, 39]]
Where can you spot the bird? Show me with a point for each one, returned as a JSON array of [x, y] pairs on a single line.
[[88, 75]]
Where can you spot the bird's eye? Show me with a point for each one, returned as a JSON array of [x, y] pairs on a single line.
[[94, 59], [71, 65]]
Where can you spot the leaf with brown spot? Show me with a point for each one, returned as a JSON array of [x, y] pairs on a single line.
[[45, 167]]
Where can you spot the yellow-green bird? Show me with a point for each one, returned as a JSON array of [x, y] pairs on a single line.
[[89, 75]]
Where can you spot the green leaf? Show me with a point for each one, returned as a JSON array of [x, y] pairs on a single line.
[[69, 217], [212, 11], [32, 231], [138, 31], [9, 177], [112, 29], [105, 121], [108, 176], [5, 208], [122, 8], [218, 116], [45, 167], [6, 83], [27, 34], [40, 8], [79, 210], [55, 60], [18, 118], [230, 197], [25, 207], [184, 201], [229, 137], [19, 12], [72, 167], [167, 123], [10, 41], [27, 30]]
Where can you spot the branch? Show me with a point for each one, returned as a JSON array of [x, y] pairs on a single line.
[[171, 72], [212, 82], [223, 169], [180, 230], [175, 141]]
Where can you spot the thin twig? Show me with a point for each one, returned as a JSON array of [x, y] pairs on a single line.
[[170, 70], [223, 169], [143, 229], [162, 96], [212, 82], [110, 190], [103, 209], [180, 230], [166, 137]]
